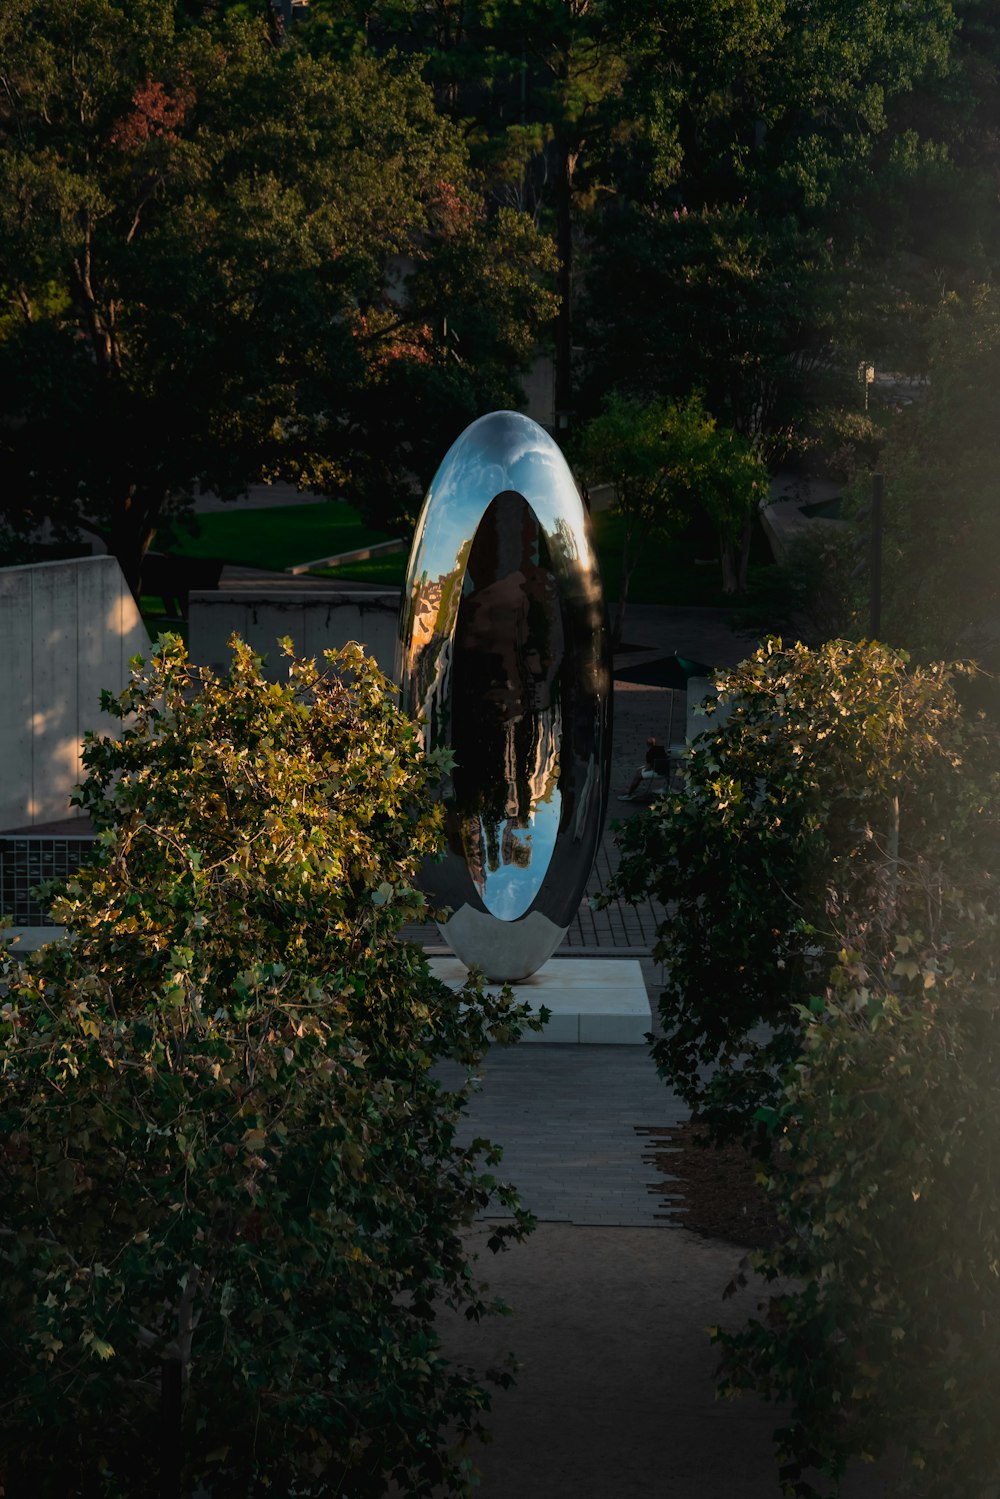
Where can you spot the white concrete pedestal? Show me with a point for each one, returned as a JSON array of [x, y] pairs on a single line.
[[595, 1001]]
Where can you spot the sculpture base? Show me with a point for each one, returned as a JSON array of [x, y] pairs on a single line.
[[594, 1001]]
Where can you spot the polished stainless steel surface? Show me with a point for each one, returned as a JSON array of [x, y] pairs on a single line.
[[505, 655]]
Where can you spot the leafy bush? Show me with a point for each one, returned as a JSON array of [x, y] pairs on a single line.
[[832, 761], [885, 1170], [833, 871], [223, 1153]]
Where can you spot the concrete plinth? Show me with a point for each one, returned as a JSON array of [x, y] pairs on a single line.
[[594, 1001]]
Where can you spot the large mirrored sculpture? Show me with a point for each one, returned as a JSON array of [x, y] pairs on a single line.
[[505, 655]]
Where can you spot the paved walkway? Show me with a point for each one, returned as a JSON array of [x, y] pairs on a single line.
[[615, 1397], [569, 1120]]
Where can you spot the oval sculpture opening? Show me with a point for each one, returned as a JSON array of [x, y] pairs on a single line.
[[506, 709], [505, 657]]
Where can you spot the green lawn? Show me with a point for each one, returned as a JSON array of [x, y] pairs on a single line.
[[667, 572], [156, 622], [380, 572], [281, 537], [278, 537]]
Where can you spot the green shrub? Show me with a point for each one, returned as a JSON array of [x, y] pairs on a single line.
[[833, 760], [833, 871], [886, 1171], [222, 1146]]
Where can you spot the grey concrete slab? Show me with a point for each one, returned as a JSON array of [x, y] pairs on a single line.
[[590, 1000], [568, 1118]]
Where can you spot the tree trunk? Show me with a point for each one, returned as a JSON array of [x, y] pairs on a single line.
[[630, 555], [171, 1426], [735, 557], [133, 531], [730, 574], [564, 284], [744, 563]]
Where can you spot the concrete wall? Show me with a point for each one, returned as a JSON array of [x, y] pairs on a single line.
[[67, 630], [316, 619]]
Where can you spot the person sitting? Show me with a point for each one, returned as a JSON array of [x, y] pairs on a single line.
[[656, 763]]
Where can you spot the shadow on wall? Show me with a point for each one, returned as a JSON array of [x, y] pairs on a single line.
[[67, 631]]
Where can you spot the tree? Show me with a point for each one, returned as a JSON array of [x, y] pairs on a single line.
[[717, 300], [575, 55], [748, 206], [834, 764], [539, 88], [879, 1150], [225, 1159], [942, 507], [830, 871], [880, 1333], [667, 461], [206, 247]]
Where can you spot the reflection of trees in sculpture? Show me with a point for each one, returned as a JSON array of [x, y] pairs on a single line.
[[434, 609], [506, 711]]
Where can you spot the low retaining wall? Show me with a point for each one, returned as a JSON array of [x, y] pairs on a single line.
[[67, 630], [317, 620]]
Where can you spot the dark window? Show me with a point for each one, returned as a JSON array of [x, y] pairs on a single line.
[[28, 862]]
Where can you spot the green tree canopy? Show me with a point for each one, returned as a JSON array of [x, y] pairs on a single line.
[[749, 251], [218, 254], [668, 462]]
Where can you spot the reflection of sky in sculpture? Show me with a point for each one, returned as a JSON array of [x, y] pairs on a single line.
[[542, 477], [507, 893]]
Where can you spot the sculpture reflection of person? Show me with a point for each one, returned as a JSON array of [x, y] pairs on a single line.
[[656, 763], [506, 726]]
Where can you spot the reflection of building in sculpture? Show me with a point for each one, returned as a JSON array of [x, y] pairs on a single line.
[[540, 772], [489, 846], [430, 622]]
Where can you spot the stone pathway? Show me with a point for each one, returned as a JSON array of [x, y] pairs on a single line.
[[568, 1118]]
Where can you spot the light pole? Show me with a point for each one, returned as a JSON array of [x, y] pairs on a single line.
[[875, 572]]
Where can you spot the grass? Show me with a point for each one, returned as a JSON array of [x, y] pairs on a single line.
[[380, 572], [156, 622], [278, 537], [283, 536], [666, 574]]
